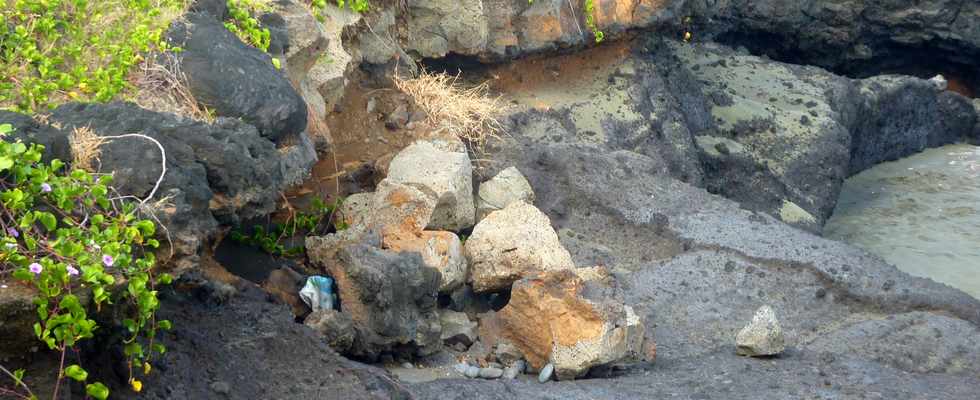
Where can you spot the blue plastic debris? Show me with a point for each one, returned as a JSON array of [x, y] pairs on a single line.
[[318, 293]]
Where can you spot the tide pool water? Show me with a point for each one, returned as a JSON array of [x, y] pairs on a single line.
[[920, 213]]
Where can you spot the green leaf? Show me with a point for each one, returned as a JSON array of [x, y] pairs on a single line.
[[77, 373], [165, 279], [5, 129], [47, 219], [5, 163], [165, 324], [19, 374], [97, 390], [159, 348]]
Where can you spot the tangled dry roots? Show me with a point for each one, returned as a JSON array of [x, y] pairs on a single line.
[[470, 113]]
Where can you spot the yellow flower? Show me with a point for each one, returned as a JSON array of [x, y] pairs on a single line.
[[136, 384], [147, 368], [73, 94], [687, 36]]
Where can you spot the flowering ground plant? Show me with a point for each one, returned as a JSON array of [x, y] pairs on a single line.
[[79, 247]]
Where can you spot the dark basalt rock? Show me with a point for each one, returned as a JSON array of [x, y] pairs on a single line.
[[216, 174], [29, 130], [256, 348], [235, 79], [391, 297]]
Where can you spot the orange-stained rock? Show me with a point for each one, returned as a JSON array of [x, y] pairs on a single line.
[[574, 319], [440, 250]]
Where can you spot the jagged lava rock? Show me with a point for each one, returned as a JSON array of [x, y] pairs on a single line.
[[391, 297]]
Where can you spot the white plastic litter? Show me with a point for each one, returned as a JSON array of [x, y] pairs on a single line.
[[318, 293]]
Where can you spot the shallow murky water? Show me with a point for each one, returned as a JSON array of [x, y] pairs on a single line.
[[921, 213]]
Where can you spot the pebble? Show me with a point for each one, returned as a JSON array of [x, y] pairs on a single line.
[[491, 373], [462, 367], [472, 372], [407, 365], [220, 387], [546, 373], [511, 372]]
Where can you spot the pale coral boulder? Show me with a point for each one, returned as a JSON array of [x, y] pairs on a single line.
[[510, 243], [441, 167]]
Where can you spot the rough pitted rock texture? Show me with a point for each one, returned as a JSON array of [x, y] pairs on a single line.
[[572, 319], [696, 266], [391, 297], [853, 36], [17, 317], [336, 328], [902, 116], [457, 328], [507, 187], [216, 174], [440, 250], [510, 243], [235, 79], [253, 349], [776, 137], [762, 336], [441, 167]]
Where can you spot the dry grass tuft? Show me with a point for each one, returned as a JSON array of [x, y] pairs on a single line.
[[162, 86], [85, 148], [470, 113]]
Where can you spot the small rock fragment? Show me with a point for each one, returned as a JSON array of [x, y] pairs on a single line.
[[491, 373], [761, 337], [472, 372], [546, 373], [507, 187], [457, 328]]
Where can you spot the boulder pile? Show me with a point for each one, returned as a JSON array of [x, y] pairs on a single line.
[[401, 250]]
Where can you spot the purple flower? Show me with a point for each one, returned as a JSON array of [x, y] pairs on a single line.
[[72, 271], [107, 260], [36, 268], [13, 232], [45, 188]]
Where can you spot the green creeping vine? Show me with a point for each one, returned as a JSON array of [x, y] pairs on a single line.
[[243, 22], [302, 223], [53, 51], [64, 236], [589, 9]]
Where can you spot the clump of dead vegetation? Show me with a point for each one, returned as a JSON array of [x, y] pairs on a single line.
[[468, 112], [161, 86], [85, 148]]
